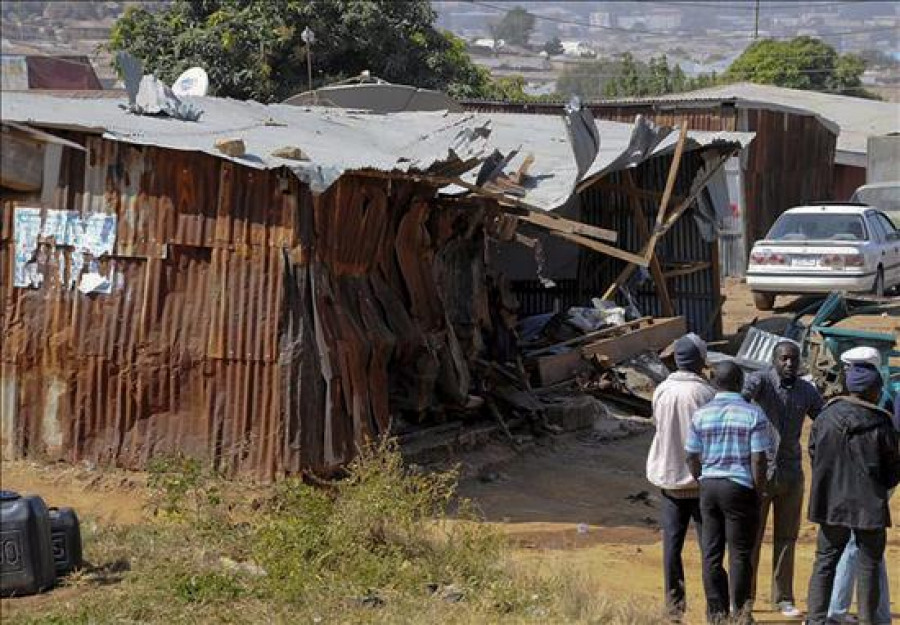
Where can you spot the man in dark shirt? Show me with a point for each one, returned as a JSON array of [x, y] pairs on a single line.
[[855, 455], [786, 400]]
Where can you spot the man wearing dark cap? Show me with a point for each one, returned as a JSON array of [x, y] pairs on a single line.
[[786, 400], [855, 457], [727, 448], [674, 403]]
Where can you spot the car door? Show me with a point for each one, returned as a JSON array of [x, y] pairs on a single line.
[[877, 248], [891, 249]]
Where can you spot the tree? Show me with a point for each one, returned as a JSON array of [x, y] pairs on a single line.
[[626, 77], [801, 63], [554, 46], [252, 48], [515, 28]]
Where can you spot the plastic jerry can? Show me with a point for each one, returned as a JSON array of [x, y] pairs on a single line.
[[26, 555], [65, 536]]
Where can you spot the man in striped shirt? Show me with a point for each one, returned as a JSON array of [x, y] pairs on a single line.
[[726, 450]]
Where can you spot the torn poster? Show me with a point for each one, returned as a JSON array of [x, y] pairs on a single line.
[[92, 237]]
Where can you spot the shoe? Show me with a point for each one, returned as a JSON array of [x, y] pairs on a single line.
[[842, 619], [788, 609]]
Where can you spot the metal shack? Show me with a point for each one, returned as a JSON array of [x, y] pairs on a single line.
[[269, 307]]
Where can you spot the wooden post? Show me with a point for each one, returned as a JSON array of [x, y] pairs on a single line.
[[650, 248], [659, 278]]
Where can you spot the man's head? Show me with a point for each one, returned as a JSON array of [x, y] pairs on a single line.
[[786, 359], [690, 353], [864, 381], [728, 377]]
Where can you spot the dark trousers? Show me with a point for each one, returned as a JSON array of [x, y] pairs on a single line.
[[829, 548], [785, 498], [730, 516], [675, 517]]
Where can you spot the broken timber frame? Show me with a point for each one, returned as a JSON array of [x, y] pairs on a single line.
[[649, 250]]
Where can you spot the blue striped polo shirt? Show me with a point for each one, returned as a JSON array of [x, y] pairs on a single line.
[[725, 432]]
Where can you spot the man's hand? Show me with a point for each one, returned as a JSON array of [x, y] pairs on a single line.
[[694, 465], [758, 467]]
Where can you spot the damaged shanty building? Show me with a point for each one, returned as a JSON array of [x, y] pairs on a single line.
[[270, 303]]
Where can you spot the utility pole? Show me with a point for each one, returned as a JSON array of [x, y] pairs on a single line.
[[756, 23], [308, 38]]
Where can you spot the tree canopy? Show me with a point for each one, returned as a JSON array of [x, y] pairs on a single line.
[[252, 49], [801, 63], [625, 77], [515, 27]]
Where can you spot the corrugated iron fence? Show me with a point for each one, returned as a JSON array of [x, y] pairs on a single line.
[[247, 323]]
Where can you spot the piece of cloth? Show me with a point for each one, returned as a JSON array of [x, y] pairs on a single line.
[[785, 405], [862, 355], [730, 514], [855, 458], [829, 549], [674, 402], [725, 432], [785, 500], [690, 352], [860, 377], [676, 514], [845, 582]]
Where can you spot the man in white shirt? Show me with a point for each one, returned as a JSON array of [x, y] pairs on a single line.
[[674, 402]]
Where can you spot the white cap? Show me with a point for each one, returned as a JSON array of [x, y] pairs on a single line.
[[862, 355]]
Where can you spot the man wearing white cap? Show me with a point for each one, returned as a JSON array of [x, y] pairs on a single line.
[[845, 577]]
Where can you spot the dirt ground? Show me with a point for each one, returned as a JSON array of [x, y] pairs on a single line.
[[571, 505]]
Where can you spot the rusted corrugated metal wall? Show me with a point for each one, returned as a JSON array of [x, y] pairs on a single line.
[[249, 324]]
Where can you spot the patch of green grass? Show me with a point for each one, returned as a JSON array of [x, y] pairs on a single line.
[[384, 545]]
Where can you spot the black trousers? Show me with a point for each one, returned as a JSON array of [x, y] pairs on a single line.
[[730, 515], [675, 517], [829, 548]]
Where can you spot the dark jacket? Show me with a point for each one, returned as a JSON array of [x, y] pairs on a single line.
[[855, 461]]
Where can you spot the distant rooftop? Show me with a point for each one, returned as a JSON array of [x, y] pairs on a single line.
[[857, 118]]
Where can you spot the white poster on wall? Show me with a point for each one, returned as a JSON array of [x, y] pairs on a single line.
[[91, 237]]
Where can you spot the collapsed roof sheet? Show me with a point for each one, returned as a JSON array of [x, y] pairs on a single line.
[[336, 141]]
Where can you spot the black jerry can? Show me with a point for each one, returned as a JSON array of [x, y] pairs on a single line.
[[26, 554], [65, 535]]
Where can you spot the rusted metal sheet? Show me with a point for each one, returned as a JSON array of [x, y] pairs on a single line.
[[247, 323]]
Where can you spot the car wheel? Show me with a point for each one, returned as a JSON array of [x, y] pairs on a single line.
[[878, 285], [763, 301]]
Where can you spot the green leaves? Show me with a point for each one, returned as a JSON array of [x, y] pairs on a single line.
[[252, 48], [801, 63]]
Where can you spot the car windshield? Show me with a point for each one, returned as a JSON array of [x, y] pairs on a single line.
[[887, 198], [818, 227]]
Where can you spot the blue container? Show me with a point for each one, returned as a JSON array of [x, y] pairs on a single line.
[[65, 535], [26, 554]]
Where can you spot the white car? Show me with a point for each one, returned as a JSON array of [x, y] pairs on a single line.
[[822, 248]]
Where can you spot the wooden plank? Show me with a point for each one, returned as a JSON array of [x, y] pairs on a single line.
[[559, 367], [590, 336], [667, 192], [569, 226], [603, 248], [654, 337], [687, 270]]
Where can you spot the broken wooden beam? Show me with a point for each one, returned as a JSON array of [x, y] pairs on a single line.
[[621, 343], [656, 335], [686, 270]]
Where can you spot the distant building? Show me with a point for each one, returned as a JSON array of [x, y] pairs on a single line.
[[26, 72]]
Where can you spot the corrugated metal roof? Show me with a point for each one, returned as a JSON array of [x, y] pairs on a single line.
[[338, 141], [857, 119]]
